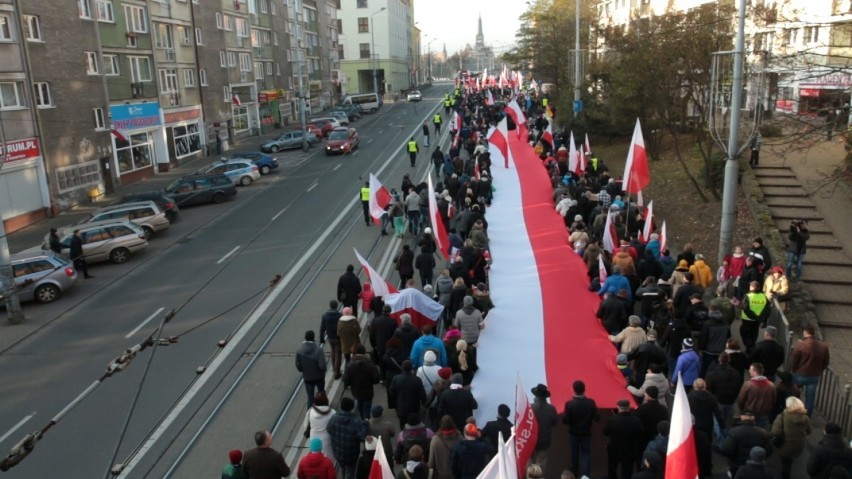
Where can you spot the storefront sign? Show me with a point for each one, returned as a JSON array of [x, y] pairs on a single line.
[[16, 150], [132, 117], [788, 106], [808, 92], [267, 96], [832, 79], [179, 116]]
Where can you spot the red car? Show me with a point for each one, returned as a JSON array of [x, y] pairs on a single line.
[[317, 131], [341, 140]]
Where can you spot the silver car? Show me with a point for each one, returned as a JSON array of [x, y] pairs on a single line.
[[42, 276], [146, 214], [104, 240], [240, 171]]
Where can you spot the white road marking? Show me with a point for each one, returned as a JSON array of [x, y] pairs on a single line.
[[143, 323], [336, 167], [229, 253], [16, 427], [312, 187], [381, 131], [370, 140], [280, 213]]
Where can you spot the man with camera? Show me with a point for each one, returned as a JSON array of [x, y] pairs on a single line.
[[798, 238]]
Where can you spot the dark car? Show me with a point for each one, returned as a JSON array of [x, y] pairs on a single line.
[[199, 189], [266, 163], [166, 203], [352, 111]]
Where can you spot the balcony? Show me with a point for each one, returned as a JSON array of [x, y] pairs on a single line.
[[123, 89]]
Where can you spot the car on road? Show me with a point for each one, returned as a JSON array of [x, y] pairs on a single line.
[[112, 240], [326, 124], [165, 203], [241, 171], [354, 112], [145, 214], [265, 163], [340, 116], [42, 276], [341, 140], [288, 141], [415, 96], [200, 189]]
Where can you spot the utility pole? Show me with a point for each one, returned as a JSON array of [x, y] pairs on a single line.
[[302, 95], [576, 56], [729, 192], [373, 50]]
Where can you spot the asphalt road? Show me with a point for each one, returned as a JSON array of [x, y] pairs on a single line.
[[213, 267]]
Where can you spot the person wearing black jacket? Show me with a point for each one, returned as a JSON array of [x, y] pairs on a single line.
[[76, 253], [360, 376], [328, 332], [580, 413], [799, 236], [711, 341], [741, 439], [406, 393], [768, 353], [623, 449], [457, 402], [612, 314], [491, 431], [725, 383], [644, 355], [381, 329], [348, 289], [750, 273], [683, 295], [650, 413], [704, 407], [831, 451]]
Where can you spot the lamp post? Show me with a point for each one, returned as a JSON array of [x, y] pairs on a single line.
[[373, 48]]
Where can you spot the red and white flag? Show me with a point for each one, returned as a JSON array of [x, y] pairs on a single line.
[[581, 163], [457, 121], [588, 148], [602, 276], [548, 134], [526, 428], [423, 309], [476, 173], [649, 223], [235, 99], [499, 138], [610, 237], [380, 468], [503, 464], [439, 232], [636, 173], [380, 285], [663, 244], [514, 110], [489, 98], [681, 457], [572, 154], [380, 198]]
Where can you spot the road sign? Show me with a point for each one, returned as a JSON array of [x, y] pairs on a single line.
[[578, 106]]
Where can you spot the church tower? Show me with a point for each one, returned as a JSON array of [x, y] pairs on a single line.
[[480, 38]]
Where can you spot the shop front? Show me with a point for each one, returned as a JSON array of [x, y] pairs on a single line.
[[25, 198], [139, 141], [184, 134], [244, 111], [270, 116]]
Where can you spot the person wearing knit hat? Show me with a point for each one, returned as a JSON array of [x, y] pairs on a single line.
[[315, 463], [234, 468], [349, 331], [623, 366], [382, 428], [688, 366], [469, 320], [502, 424], [470, 455]]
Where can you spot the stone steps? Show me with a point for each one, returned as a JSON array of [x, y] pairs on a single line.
[[794, 202], [784, 191], [839, 274], [786, 213], [826, 257], [836, 315], [831, 294]]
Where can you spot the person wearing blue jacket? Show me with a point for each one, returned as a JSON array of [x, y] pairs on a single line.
[[424, 343], [688, 365], [616, 282]]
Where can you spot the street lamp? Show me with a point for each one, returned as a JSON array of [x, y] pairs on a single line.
[[373, 47], [429, 59]]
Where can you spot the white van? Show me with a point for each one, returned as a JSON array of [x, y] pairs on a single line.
[[369, 102]]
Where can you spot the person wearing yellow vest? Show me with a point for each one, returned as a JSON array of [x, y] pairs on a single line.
[[544, 102], [365, 201], [413, 150], [446, 104], [436, 120], [756, 308]]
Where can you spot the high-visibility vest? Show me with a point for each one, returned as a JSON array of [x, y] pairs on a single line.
[[757, 301], [544, 102], [412, 147], [437, 119], [446, 102], [594, 163], [365, 193], [452, 102]]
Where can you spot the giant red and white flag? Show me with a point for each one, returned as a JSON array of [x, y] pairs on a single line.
[[526, 428], [380, 285], [610, 237], [380, 198], [681, 457], [649, 223], [572, 154], [548, 134], [601, 269], [423, 309], [380, 468], [499, 138], [663, 244], [514, 110], [636, 173], [439, 232]]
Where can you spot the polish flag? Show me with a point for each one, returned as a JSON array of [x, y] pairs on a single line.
[[681, 458], [381, 286], [581, 163], [548, 135], [380, 198], [514, 110], [235, 99], [489, 98], [476, 173], [610, 237], [636, 173], [526, 428], [499, 138], [503, 464], [640, 200], [423, 309], [380, 468], [572, 154], [649, 223], [588, 148], [457, 120], [439, 232], [663, 244], [601, 269], [117, 134]]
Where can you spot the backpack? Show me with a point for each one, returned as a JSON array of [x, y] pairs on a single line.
[[409, 439]]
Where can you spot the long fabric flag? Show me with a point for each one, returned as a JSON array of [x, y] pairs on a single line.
[[649, 223], [610, 237], [380, 198], [499, 137], [526, 428], [489, 98], [572, 154], [381, 287], [439, 231], [548, 134], [502, 465], [681, 456], [663, 244], [636, 173], [380, 467], [423, 309], [601, 270], [514, 110]]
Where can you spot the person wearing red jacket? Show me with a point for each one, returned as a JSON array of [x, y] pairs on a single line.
[[315, 464]]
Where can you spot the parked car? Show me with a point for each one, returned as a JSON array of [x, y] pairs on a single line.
[[288, 141], [112, 240], [144, 214], [354, 112], [341, 140], [326, 124], [42, 276], [200, 189], [240, 171], [340, 116], [415, 96], [165, 203], [265, 163]]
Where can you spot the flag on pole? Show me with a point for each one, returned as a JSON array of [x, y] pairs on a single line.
[[380, 285], [639, 199], [588, 148], [514, 111], [649, 222], [663, 244], [380, 467], [499, 138], [476, 172], [601, 269], [610, 237], [572, 154], [235, 99], [636, 173], [489, 98], [380, 198], [681, 457], [526, 428], [502, 465], [581, 163], [439, 231], [423, 309], [548, 134]]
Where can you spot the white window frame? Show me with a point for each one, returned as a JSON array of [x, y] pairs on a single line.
[[42, 96], [245, 62], [164, 36], [199, 36], [269, 68], [218, 20], [264, 6], [114, 68], [84, 9], [185, 35], [136, 19], [135, 70], [107, 8], [232, 59], [227, 90], [223, 60], [19, 97], [100, 119], [258, 70], [227, 23], [32, 29], [6, 32], [202, 77], [188, 78], [272, 8], [252, 7], [92, 63], [275, 37], [242, 27], [168, 80]]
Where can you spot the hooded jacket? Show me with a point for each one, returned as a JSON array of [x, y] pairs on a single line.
[[347, 431], [441, 451], [444, 289], [625, 261], [360, 376], [832, 451], [469, 321], [737, 264], [714, 334], [349, 331], [315, 466], [725, 383], [310, 361], [425, 343], [703, 274], [795, 426], [469, 458]]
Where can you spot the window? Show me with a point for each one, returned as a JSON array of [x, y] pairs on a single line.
[[42, 95], [202, 77], [105, 11], [185, 35], [140, 69], [134, 152], [269, 69], [223, 62], [245, 62], [264, 6], [252, 6], [189, 77], [791, 36], [228, 97], [258, 70], [111, 65], [92, 63], [272, 7], [136, 19], [187, 139], [365, 50], [84, 9], [32, 31], [168, 80], [165, 38], [199, 38], [275, 38], [362, 4], [242, 27], [5, 28], [10, 96], [218, 20], [363, 25], [226, 23], [232, 59], [100, 121], [811, 34]]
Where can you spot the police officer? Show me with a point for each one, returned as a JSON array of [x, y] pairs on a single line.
[[755, 306], [446, 104], [365, 202], [436, 120], [412, 150]]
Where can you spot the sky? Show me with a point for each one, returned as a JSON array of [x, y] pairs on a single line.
[[454, 22]]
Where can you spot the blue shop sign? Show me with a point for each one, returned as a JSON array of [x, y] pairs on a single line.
[[135, 116]]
